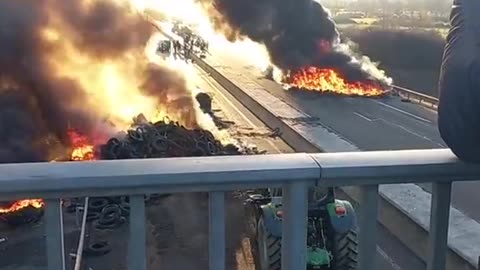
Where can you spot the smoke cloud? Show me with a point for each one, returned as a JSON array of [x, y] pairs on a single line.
[[168, 87], [38, 106], [296, 33]]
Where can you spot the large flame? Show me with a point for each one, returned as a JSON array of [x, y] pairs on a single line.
[[82, 147], [328, 80], [113, 84], [82, 150], [21, 204]]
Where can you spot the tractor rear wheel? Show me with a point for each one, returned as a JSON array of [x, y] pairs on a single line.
[[269, 248], [346, 251]]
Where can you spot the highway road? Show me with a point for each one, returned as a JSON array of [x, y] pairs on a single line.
[[392, 255], [370, 124], [177, 226]]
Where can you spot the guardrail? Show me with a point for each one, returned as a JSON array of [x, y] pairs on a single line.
[[294, 172], [410, 95]]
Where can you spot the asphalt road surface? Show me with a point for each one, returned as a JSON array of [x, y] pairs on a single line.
[[370, 124], [392, 255]]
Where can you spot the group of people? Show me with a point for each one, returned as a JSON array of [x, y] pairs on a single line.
[[189, 46], [185, 48], [191, 41]]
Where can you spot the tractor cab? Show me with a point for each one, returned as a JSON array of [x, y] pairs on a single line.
[[331, 229]]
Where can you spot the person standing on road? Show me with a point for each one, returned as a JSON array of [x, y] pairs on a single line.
[[175, 48], [459, 84]]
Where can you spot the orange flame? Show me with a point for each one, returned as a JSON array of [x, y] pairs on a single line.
[[83, 149], [328, 80], [18, 205]]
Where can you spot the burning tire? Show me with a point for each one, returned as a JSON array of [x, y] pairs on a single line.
[[269, 248], [24, 216], [345, 250]]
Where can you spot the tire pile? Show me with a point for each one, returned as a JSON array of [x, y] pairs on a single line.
[[24, 216], [148, 140], [107, 213], [165, 139]]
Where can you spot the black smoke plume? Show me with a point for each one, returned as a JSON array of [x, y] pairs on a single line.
[[169, 89], [38, 107], [296, 33]]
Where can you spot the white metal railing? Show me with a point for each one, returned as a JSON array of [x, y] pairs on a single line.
[[81, 239], [294, 172], [422, 99]]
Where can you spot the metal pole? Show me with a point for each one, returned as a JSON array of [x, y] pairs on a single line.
[[440, 213], [368, 227], [216, 230], [78, 257], [54, 231], [294, 226], [137, 252]]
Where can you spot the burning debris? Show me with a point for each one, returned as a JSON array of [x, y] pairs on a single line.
[[164, 139], [82, 147], [73, 74], [21, 211], [68, 65], [65, 67], [30, 210], [329, 81], [18, 205], [299, 35]]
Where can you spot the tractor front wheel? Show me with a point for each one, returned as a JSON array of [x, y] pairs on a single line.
[[346, 251], [268, 248]]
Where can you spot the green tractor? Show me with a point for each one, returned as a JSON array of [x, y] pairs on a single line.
[[331, 233]]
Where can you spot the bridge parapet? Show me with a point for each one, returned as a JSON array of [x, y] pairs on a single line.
[[294, 172]]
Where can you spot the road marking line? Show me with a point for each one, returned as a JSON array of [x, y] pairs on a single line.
[[415, 134], [387, 258], [206, 79], [404, 112], [363, 116]]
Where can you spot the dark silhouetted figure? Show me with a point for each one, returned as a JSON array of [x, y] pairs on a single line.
[[459, 85]]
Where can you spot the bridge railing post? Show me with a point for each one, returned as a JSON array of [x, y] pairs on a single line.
[[294, 225], [54, 232], [368, 227], [137, 242], [438, 236], [216, 230]]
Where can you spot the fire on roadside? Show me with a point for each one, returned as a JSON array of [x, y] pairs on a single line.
[[329, 81], [82, 150], [21, 204], [82, 147]]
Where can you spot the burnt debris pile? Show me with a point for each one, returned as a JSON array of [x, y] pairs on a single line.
[[164, 139]]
